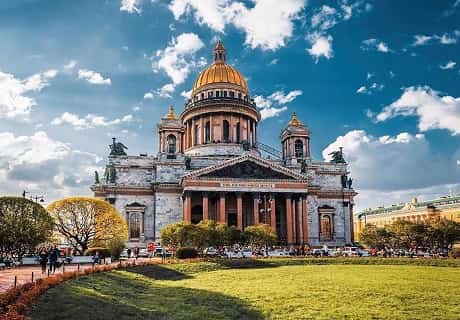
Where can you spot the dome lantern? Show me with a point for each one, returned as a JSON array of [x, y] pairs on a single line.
[[220, 54]]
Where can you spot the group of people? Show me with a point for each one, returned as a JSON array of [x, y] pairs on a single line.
[[49, 256]]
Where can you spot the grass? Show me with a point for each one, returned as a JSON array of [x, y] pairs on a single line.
[[274, 289]]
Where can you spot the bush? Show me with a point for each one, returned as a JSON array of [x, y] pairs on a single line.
[[186, 253], [116, 246], [103, 252]]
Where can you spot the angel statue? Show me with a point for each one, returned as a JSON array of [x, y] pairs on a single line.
[[117, 148], [337, 156]]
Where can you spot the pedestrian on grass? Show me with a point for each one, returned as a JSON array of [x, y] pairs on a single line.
[[43, 257]]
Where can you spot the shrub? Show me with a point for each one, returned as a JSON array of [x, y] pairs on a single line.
[[103, 252], [186, 253], [116, 246]]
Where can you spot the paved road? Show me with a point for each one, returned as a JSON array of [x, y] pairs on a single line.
[[24, 274]]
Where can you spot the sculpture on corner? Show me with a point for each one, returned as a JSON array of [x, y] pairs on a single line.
[[117, 148], [337, 156]]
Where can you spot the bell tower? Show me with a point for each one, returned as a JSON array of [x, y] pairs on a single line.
[[170, 134], [220, 54], [295, 142]]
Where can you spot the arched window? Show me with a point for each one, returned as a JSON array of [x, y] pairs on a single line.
[[217, 94], [226, 133], [134, 225], [202, 95], [207, 132], [298, 148], [238, 133], [326, 230], [171, 144], [210, 94]]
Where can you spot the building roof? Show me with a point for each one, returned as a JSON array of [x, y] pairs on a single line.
[[444, 200]]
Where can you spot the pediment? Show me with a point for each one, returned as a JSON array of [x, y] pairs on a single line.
[[247, 167]]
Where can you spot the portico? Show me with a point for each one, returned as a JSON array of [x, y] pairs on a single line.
[[227, 194]]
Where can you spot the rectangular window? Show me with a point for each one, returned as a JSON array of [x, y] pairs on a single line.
[[225, 93], [210, 94], [232, 94], [217, 94]]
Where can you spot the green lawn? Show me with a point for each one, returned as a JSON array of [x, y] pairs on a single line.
[[212, 291]]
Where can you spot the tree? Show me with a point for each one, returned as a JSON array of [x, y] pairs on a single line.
[[260, 235], [183, 234], [85, 222], [446, 233], [378, 238], [24, 224]]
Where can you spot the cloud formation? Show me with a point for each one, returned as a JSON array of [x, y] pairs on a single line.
[[89, 121], [274, 104], [445, 39], [40, 164], [449, 65], [93, 77], [385, 164], [268, 24], [321, 46], [14, 93], [130, 6], [433, 110], [375, 45], [178, 59]]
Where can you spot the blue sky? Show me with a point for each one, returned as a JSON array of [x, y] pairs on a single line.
[[380, 78]]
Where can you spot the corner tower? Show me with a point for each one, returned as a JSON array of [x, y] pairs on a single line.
[[170, 132], [220, 118], [295, 141]]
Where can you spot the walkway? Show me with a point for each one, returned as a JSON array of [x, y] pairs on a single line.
[[24, 274]]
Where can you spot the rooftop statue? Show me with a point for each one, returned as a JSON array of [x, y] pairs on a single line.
[[117, 148], [337, 156]]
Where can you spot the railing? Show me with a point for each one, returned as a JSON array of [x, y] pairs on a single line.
[[270, 150], [220, 100]]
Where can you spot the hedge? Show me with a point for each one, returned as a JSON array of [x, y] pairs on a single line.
[[186, 253]]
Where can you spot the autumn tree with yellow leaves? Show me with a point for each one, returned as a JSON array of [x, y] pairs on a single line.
[[87, 222]]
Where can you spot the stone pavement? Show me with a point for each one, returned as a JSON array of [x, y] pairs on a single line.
[[24, 274]]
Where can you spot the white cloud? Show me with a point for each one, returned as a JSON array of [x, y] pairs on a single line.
[[274, 104], [148, 95], [70, 65], [130, 6], [325, 17], [93, 77], [385, 165], [375, 45], [268, 24], [186, 94], [274, 61], [166, 90], [448, 65], [14, 98], [433, 110], [43, 165], [446, 38], [89, 121], [178, 58], [321, 46], [362, 89]]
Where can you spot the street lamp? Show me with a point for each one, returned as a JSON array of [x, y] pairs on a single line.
[[37, 198]]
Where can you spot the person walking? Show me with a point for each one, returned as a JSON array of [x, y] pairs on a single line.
[[53, 256], [129, 252], [43, 257]]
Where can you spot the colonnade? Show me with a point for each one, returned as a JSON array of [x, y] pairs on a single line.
[[286, 213]]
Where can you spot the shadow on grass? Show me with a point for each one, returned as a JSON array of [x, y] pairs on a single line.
[[158, 272], [125, 295], [245, 263]]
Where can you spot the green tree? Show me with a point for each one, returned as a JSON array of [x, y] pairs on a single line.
[[182, 234], [24, 224], [446, 233], [87, 222], [377, 238], [260, 235]]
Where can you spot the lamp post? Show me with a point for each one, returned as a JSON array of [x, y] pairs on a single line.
[[266, 211], [37, 198]]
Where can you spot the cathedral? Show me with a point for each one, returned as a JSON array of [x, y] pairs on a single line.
[[211, 165]]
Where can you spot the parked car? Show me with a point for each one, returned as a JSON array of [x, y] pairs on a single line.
[[363, 253], [210, 252], [350, 251], [278, 253], [160, 251], [144, 253], [246, 252]]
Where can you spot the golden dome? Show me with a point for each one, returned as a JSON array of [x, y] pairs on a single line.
[[170, 115], [220, 72], [294, 121]]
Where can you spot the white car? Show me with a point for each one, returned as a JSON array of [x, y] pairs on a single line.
[[210, 252], [278, 253], [246, 252], [350, 251], [144, 253]]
